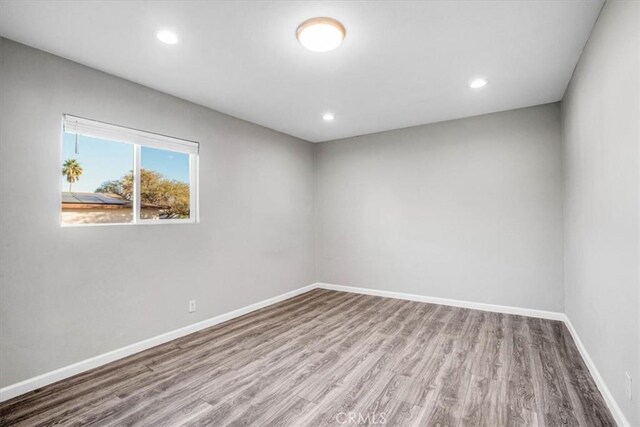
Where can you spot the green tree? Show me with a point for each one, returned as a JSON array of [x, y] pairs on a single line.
[[72, 170], [170, 196]]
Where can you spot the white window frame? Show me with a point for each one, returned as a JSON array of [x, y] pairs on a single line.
[[139, 139]]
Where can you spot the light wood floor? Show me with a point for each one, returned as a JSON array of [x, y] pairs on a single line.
[[333, 358]]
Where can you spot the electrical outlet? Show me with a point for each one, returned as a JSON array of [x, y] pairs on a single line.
[[627, 384], [192, 306]]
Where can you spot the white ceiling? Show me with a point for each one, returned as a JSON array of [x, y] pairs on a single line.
[[401, 64]]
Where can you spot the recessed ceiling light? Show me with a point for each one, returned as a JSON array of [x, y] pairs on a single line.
[[321, 34], [167, 37], [477, 83], [327, 117]]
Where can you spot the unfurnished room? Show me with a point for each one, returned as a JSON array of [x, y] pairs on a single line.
[[320, 213]]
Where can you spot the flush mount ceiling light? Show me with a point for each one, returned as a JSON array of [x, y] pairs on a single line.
[[321, 34], [167, 37], [327, 117], [477, 83]]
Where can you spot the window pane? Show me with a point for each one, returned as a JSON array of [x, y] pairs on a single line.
[[164, 184], [96, 181]]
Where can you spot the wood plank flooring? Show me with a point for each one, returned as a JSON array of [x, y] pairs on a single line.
[[333, 358]]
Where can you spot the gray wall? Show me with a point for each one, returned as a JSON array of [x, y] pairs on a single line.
[[601, 124], [71, 293], [469, 209]]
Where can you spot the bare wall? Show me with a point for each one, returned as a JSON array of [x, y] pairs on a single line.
[[601, 124], [468, 209], [68, 294]]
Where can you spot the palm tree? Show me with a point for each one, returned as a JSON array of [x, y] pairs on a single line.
[[72, 170]]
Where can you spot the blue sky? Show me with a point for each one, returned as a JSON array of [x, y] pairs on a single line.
[[104, 160], [170, 164]]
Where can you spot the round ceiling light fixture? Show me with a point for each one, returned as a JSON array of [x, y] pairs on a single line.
[[167, 37], [328, 117], [321, 34], [478, 83]]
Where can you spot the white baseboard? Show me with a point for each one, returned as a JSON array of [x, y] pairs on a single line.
[[31, 384], [552, 315], [617, 413]]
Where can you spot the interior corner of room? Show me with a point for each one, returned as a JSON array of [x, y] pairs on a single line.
[[304, 228]]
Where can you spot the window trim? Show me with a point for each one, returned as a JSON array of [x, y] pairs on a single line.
[[138, 139]]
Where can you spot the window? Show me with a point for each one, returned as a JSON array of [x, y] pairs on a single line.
[[115, 175]]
